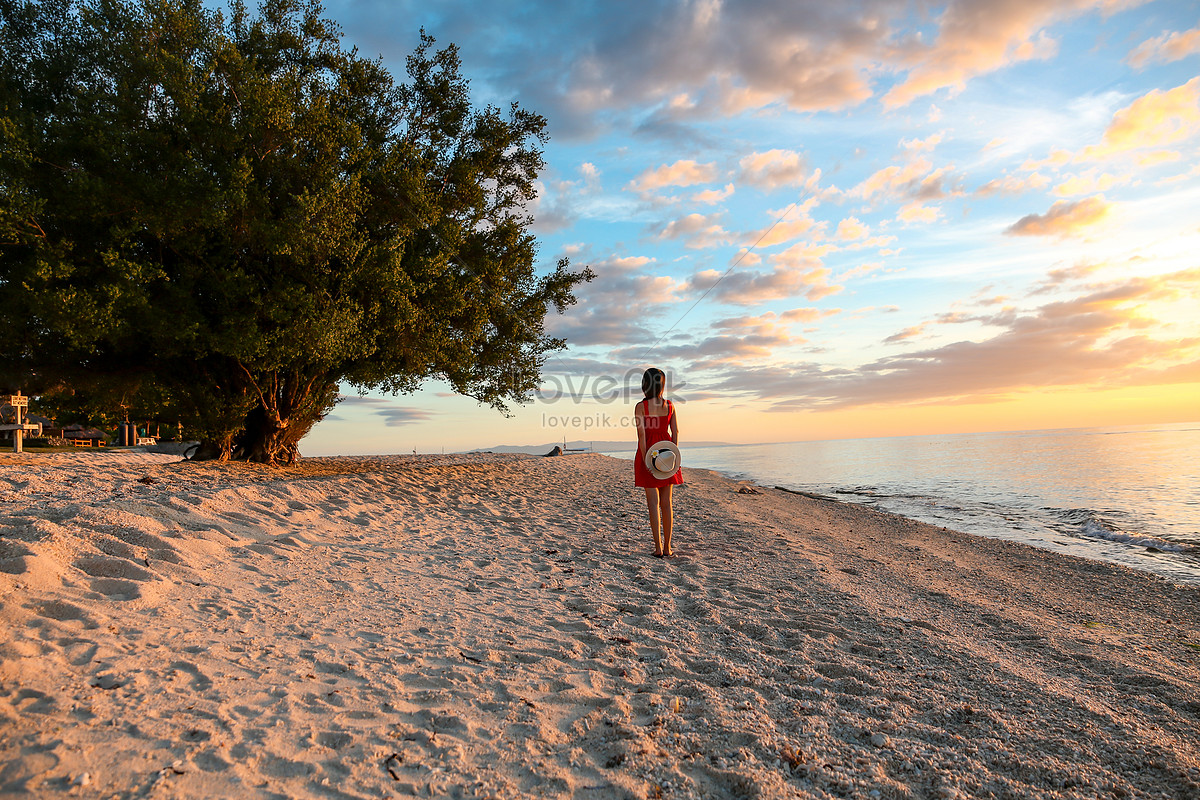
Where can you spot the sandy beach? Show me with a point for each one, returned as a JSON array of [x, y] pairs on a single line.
[[495, 626]]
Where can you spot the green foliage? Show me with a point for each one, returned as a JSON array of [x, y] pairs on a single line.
[[227, 217]]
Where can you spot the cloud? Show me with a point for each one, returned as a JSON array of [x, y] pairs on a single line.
[[1057, 158], [915, 212], [914, 183], [1009, 185], [618, 306], [746, 258], [1171, 46], [736, 340], [591, 175], [873, 241], [861, 271], [1061, 276], [663, 64], [806, 314], [1063, 219], [681, 173], [850, 229], [789, 224], [921, 145], [752, 287], [393, 415], [713, 196], [744, 339], [1158, 157], [893, 180], [908, 333], [698, 231], [1089, 183], [1101, 338], [976, 37], [773, 169], [803, 254], [1154, 120], [551, 212]]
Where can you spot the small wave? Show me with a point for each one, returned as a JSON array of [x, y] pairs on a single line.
[[1096, 529], [864, 491]]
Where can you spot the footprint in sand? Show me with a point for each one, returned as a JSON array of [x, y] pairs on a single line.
[[199, 681], [13, 558], [78, 652], [116, 589], [62, 611], [113, 568]]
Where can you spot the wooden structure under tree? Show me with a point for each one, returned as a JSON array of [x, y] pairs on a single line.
[[20, 405]]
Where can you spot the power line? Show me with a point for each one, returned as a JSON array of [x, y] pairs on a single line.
[[724, 275]]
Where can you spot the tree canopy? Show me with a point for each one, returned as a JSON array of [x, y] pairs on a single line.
[[224, 217]]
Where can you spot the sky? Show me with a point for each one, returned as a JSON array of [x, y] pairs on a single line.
[[832, 221]]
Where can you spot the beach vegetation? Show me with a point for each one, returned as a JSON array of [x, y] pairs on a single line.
[[225, 217]]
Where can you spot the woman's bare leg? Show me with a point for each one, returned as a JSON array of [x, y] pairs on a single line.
[[664, 510], [652, 504]]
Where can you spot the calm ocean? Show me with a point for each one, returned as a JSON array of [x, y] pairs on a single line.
[[1129, 495]]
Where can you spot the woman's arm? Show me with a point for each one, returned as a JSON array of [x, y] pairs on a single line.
[[639, 423], [673, 425]]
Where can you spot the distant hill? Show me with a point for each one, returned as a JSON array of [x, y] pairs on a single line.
[[595, 446]]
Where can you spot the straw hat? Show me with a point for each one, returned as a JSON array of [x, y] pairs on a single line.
[[662, 459]]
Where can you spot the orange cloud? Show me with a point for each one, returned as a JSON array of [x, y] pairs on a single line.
[[745, 257], [893, 178], [786, 228], [803, 254], [1158, 157], [861, 270], [616, 307], [1011, 185], [1103, 338], [1087, 183], [908, 333], [974, 38], [1154, 120], [681, 173], [1171, 46], [697, 230], [915, 212], [713, 196], [1056, 159], [808, 314], [773, 169], [921, 145], [752, 287], [914, 183], [1063, 219], [850, 229], [781, 232], [874, 241]]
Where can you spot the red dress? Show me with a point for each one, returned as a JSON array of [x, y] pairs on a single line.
[[657, 429]]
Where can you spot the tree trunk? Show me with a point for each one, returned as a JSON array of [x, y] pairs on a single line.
[[267, 439], [217, 449], [290, 405]]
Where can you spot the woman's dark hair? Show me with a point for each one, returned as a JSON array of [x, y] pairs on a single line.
[[653, 381]]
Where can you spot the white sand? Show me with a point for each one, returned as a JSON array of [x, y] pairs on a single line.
[[494, 626]]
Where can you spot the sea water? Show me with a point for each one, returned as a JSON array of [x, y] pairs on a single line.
[[1128, 494]]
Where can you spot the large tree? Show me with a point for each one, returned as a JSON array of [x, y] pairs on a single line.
[[235, 214]]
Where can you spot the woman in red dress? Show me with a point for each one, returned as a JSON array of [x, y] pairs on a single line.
[[654, 418]]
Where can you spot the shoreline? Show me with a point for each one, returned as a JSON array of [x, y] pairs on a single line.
[[1083, 527], [495, 626]]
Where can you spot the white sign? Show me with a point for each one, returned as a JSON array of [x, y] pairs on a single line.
[[18, 401]]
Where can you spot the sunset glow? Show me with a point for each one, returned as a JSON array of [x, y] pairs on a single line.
[[833, 222]]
